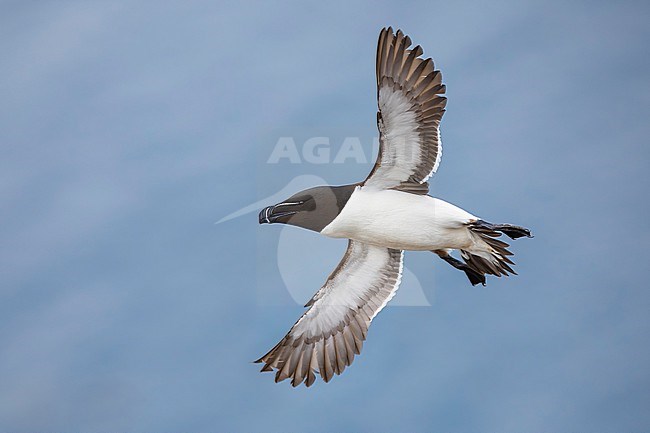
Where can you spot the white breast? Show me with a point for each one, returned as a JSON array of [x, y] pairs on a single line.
[[400, 220]]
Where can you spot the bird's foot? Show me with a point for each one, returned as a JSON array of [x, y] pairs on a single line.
[[510, 230], [473, 276]]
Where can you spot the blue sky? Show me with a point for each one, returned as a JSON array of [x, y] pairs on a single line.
[[128, 129]]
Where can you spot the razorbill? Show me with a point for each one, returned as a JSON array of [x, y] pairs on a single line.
[[381, 217]]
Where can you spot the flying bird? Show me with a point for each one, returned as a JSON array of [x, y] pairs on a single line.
[[388, 213]]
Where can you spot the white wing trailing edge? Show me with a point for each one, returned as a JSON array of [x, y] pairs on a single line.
[[326, 338], [410, 104]]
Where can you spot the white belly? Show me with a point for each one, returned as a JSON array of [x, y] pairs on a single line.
[[401, 220]]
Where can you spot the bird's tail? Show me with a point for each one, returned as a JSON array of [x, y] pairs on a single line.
[[491, 255]]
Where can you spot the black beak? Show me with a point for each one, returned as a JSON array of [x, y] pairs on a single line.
[[265, 215], [271, 214]]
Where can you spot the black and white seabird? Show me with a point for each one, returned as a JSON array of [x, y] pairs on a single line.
[[381, 217]]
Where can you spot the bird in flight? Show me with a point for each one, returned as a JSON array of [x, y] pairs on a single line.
[[388, 213]]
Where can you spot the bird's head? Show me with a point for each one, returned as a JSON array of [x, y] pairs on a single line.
[[312, 209]]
